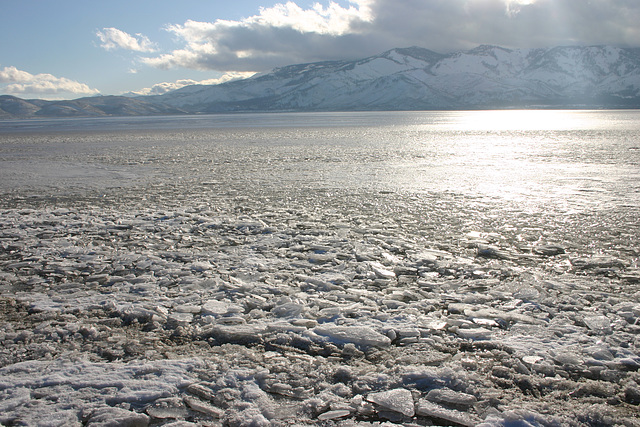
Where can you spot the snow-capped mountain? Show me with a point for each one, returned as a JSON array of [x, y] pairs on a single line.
[[399, 79], [416, 78]]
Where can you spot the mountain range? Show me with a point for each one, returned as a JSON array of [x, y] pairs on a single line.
[[399, 79]]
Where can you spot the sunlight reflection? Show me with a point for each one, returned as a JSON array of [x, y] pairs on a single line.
[[515, 120]]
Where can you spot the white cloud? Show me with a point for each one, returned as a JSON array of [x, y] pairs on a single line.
[[332, 20], [276, 36], [112, 38], [18, 82], [161, 88]]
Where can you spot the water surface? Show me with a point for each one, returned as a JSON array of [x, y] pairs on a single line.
[[579, 158]]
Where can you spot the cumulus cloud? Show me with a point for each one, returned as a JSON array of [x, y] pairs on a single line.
[[278, 35], [286, 33], [18, 82], [113, 38], [161, 88]]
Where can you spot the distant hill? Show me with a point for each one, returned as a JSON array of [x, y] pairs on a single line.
[[399, 79], [13, 107]]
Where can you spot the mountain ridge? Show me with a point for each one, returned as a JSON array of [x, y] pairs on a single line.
[[411, 78], [417, 78]]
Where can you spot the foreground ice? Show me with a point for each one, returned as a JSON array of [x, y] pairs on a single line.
[[280, 313]]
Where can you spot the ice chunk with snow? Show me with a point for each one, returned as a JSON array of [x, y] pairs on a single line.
[[397, 400], [361, 336]]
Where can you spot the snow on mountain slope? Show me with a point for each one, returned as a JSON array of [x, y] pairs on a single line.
[[417, 78]]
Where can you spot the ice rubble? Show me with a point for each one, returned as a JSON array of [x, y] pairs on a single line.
[[291, 311]]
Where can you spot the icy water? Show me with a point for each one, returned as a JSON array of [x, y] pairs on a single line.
[[457, 268]]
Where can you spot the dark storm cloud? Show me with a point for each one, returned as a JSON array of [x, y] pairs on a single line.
[[287, 34]]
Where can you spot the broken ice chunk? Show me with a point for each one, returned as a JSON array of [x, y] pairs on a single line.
[[532, 360], [598, 352], [475, 333], [362, 336], [239, 334], [332, 415], [492, 252], [200, 266], [485, 322], [548, 250], [203, 407], [628, 364], [214, 307], [568, 359], [290, 309], [381, 272], [428, 409], [109, 416], [170, 407], [437, 324], [598, 324], [179, 319], [526, 293], [445, 395], [398, 400], [390, 259], [187, 308]]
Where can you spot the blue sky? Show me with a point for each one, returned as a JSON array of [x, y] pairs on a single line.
[[73, 48]]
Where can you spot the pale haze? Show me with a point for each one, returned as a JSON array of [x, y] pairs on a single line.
[[72, 49]]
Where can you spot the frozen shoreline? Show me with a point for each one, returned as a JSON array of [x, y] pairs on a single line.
[[250, 311], [412, 269]]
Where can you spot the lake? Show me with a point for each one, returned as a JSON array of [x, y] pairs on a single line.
[[577, 158]]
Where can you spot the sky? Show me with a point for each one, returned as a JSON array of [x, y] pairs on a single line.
[[67, 49]]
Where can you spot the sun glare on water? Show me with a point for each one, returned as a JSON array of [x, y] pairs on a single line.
[[517, 120]]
